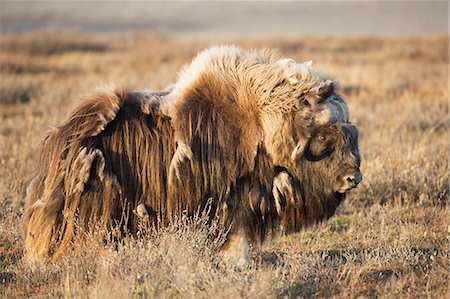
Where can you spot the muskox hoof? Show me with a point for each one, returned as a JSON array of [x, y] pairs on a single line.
[[234, 253], [236, 263]]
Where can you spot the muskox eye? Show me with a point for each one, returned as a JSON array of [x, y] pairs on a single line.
[[322, 138], [304, 102]]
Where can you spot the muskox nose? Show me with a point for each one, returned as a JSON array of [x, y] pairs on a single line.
[[353, 180], [350, 181]]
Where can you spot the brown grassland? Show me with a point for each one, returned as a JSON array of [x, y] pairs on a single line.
[[389, 238]]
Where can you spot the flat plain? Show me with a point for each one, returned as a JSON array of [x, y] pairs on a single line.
[[389, 238]]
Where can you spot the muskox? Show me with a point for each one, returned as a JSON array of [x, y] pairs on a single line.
[[264, 142]]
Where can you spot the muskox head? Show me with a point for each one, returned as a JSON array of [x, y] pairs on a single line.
[[320, 174], [332, 153]]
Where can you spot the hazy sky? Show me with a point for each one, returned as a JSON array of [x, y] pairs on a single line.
[[232, 19]]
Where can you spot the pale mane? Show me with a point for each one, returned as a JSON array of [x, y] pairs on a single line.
[[275, 84]]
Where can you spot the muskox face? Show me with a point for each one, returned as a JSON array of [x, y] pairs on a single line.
[[324, 167], [333, 149], [329, 159]]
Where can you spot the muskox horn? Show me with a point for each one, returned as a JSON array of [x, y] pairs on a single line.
[[331, 110], [298, 151]]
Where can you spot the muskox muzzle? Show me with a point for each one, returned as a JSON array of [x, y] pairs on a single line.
[[350, 181]]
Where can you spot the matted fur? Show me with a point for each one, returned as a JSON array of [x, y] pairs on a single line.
[[208, 141], [98, 166], [125, 167]]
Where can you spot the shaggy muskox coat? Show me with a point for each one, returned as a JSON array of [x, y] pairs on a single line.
[[114, 152], [220, 137]]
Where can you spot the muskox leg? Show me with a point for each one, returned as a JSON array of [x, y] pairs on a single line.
[[235, 250]]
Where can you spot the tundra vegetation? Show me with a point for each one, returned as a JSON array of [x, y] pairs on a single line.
[[389, 237]]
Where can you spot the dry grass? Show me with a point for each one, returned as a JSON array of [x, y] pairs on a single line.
[[390, 238]]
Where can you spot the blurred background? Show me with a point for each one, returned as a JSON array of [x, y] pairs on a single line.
[[220, 19]]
